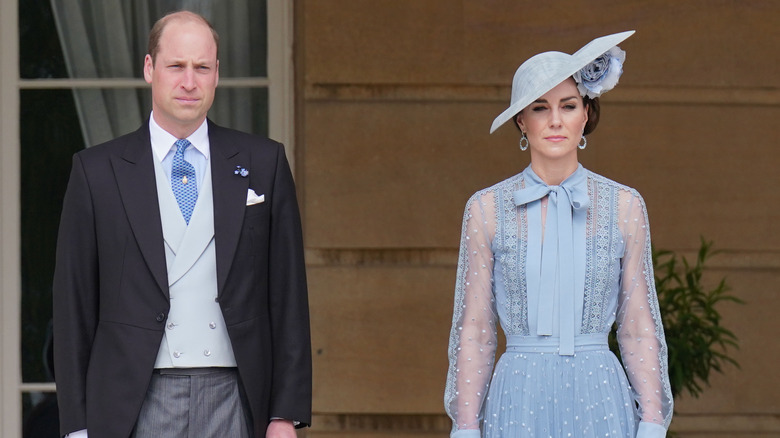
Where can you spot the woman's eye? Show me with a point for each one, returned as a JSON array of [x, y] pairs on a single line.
[[538, 108]]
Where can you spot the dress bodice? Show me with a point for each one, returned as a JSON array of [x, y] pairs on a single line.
[[501, 279], [598, 247]]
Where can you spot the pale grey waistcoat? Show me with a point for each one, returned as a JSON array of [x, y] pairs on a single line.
[[195, 333]]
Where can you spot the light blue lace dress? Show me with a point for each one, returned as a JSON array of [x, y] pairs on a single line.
[[556, 266]]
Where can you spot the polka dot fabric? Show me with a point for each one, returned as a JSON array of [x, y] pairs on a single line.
[[535, 389], [183, 182]]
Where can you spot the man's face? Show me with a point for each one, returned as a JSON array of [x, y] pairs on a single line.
[[184, 76]]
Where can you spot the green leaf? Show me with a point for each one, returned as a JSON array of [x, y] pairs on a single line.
[[697, 343]]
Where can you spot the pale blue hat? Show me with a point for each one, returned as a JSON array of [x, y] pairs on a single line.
[[543, 72]]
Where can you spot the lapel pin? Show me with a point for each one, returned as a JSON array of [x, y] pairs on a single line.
[[241, 171]]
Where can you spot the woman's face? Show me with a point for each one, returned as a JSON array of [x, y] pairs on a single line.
[[554, 123]]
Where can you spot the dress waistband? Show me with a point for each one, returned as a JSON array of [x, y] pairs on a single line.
[[550, 344]]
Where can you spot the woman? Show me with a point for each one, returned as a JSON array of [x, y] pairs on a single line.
[[557, 254]]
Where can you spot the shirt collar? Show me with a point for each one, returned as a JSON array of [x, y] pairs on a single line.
[[163, 141]]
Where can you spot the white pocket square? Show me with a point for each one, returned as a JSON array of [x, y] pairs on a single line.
[[252, 198]]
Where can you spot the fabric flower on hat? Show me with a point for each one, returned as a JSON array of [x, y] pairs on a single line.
[[602, 74]]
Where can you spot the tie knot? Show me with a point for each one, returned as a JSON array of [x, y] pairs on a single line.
[[182, 145]]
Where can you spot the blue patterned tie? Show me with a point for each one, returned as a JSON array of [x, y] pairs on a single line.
[[183, 183]]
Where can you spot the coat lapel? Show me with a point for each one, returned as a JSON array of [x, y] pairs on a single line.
[[134, 171], [229, 198]]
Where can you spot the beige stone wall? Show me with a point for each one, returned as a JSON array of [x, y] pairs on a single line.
[[394, 102]]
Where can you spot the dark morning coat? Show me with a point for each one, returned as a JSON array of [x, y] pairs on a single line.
[[111, 289]]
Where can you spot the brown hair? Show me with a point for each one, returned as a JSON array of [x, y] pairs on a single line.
[[594, 111], [156, 33]]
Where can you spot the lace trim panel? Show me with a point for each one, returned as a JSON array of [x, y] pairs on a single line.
[[600, 255]]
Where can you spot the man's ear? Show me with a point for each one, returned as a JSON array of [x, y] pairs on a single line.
[[148, 68]]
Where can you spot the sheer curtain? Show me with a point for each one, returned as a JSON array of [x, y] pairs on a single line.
[[104, 39]]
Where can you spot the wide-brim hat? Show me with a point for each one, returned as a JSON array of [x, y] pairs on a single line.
[[543, 72]]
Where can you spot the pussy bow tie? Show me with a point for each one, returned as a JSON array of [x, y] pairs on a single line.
[[557, 267]]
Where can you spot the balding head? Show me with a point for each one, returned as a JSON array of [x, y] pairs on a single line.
[[183, 16]]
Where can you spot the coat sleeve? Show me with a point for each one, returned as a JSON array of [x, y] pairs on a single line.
[[291, 390], [75, 299]]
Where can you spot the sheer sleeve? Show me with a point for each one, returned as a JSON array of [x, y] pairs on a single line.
[[640, 331], [472, 344]]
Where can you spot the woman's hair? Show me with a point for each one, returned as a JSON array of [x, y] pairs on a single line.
[[594, 110]]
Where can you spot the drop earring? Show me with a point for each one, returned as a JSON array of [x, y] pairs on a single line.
[[583, 143], [524, 142]]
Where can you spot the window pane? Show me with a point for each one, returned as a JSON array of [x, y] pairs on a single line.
[[40, 55], [109, 39], [50, 134], [41, 419], [258, 38], [245, 109]]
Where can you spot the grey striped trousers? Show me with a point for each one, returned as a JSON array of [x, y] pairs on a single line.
[[193, 403]]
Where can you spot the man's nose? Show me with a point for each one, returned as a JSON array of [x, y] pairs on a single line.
[[188, 80]]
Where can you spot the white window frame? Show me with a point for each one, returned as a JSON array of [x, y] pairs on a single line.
[[280, 84]]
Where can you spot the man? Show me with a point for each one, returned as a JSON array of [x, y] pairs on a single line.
[[180, 303]]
